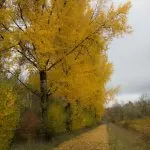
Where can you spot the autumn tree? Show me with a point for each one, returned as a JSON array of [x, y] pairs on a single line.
[[64, 42]]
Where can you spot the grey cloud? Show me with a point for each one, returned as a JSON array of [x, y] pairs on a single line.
[[131, 54]]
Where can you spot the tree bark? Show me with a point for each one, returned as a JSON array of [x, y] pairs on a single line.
[[44, 100]]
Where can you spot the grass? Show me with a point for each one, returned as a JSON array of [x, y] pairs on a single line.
[[33, 145], [124, 139], [140, 125]]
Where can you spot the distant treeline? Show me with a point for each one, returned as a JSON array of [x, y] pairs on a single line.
[[129, 111]]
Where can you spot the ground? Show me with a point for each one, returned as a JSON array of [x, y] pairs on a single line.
[[103, 137], [97, 139], [123, 139]]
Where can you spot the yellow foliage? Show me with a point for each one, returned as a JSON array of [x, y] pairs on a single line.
[[9, 115], [63, 119], [57, 116], [54, 30], [83, 117]]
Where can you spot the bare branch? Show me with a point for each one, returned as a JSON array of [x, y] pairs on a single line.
[[51, 12], [18, 25], [29, 59], [51, 93], [2, 37], [2, 3], [6, 28], [35, 92], [21, 15], [78, 54], [29, 51]]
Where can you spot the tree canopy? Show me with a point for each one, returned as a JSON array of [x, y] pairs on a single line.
[[67, 40]]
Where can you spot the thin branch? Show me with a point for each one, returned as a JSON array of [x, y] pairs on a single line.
[[2, 3], [70, 52], [47, 62], [78, 45], [78, 54], [35, 92], [18, 25], [30, 53], [51, 93], [22, 53], [21, 15], [2, 37], [34, 48], [94, 13], [6, 28], [51, 12], [4, 50]]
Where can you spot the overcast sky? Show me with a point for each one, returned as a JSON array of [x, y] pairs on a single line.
[[130, 55]]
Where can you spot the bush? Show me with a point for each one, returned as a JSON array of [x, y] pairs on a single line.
[[29, 130], [57, 117], [63, 117], [9, 115], [82, 117], [77, 118]]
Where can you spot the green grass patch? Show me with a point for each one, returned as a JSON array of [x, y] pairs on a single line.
[[140, 125]]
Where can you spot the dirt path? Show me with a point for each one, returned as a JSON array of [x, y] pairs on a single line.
[[104, 137], [96, 139], [123, 139]]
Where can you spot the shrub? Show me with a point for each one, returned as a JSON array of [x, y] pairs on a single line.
[[77, 118], [56, 117], [82, 117], [63, 117], [29, 130], [9, 115]]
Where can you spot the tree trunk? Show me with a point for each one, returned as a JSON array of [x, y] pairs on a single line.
[[44, 100]]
